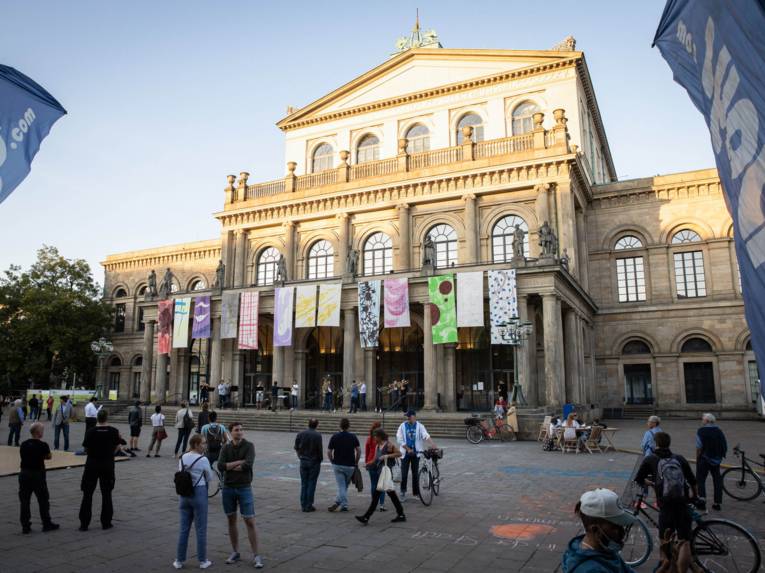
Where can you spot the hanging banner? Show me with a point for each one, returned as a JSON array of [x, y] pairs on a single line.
[[248, 321], [283, 306], [369, 313], [396, 303], [470, 299], [443, 310], [305, 306], [181, 322], [200, 328], [329, 304], [165, 320], [229, 314], [503, 306]]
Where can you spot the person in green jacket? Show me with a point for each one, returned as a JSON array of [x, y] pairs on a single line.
[[604, 520]]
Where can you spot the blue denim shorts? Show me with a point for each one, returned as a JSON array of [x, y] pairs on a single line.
[[241, 495]]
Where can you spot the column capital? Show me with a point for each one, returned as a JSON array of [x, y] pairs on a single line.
[[468, 197], [344, 216], [403, 206], [542, 187], [288, 224], [239, 233]]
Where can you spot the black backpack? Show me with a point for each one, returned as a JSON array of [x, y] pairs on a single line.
[[671, 480], [188, 422], [183, 484], [214, 439]]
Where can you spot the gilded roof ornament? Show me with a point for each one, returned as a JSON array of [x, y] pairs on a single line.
[[417, 39]]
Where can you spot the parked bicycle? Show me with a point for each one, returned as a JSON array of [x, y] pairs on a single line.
[[430, 475], [717, 545], [215, 482], [743, 483], [479, 429]]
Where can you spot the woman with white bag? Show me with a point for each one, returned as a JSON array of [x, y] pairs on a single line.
[[385, 458]]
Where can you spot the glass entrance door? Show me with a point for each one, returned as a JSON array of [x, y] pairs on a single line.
[[637, 379]]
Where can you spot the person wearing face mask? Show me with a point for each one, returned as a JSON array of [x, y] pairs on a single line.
[[604, 520]]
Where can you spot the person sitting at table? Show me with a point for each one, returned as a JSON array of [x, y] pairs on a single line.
[[499, 409], [571, 425]]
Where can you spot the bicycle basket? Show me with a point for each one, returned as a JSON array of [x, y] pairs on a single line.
[[434, 453], [472, 421]]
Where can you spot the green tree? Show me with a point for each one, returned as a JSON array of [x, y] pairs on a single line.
[[49, 315]]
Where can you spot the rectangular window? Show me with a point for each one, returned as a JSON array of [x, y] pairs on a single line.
[[114, 381], [699, 383], [141, 323], [689, 274], [754, 380], [630, 279], [119, 317]]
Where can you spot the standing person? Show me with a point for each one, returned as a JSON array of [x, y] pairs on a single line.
[[204, 417], [385, 454], [326, 389], [216, 436], [354, 398], [34, 408], [135, 421], [158, 432], [101, 443], [33, 453], [343, 451], [711, 449], [363, 396], [394, 395], [411, 436], [91, 411], [259, 391], [61, 422], [310, 452], [235, 462], [294, 394], [370, 461], [204, 393], [274, 395], [228, 394], [49, 404], [15, 421], [184, 423], [221, 395], [194, 508], [647, 445]]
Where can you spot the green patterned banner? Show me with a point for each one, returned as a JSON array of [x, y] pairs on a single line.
[[442, 308]]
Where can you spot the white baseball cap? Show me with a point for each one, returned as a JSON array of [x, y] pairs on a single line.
[[605, 504]]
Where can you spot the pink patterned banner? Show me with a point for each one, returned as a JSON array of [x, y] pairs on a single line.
[[396, 301], [165, 312], [248, 321], [284, 299]]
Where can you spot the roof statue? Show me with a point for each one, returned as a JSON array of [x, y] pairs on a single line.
[[418, 39], [567, 45]]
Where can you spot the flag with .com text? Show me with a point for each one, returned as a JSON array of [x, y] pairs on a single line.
[[27, 112], [716, 50]]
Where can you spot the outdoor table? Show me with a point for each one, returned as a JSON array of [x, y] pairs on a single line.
[[608, 434]]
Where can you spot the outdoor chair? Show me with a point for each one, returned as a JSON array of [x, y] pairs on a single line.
[[544, 428], [593, 440]]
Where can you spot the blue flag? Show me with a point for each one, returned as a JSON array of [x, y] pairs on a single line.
[[27, 112], [716, 49]]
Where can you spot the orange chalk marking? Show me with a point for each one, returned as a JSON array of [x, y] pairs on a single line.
[[522, 531]]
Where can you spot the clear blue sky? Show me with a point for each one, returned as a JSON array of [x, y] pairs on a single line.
[[165, 98]]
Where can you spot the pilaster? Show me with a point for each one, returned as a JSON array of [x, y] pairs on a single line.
[[429, 370], [370, 374], [240, 257], [522, 354], [350, 340], [148, 359], [404, 246], [215, 352], [448, 398], [289, 249], [553, 343], [161, 396], [570, 346], [471, 231]]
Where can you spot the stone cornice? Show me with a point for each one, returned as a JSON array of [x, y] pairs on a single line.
[[163, 256], [690, 185]]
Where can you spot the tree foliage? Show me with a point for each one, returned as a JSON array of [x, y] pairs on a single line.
[[49, 315]]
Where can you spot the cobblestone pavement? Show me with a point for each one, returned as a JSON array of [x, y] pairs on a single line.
[[502, 507]]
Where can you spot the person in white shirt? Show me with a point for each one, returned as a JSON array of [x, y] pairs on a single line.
[[221, 394], [184, 423], [294, 394], [363, 394], [158, 432], [570, 427], [411, 436], [91, 413], [194, 509]]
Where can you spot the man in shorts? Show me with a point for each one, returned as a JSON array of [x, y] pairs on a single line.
[[235, 464], [135, 421]]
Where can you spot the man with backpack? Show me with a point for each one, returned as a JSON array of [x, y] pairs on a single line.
[[184, 423], [216, 436], [135, 421]]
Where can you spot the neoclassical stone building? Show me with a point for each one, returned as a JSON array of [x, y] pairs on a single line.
[[641, 306]]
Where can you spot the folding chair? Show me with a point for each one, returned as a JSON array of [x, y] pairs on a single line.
[[544, 429]]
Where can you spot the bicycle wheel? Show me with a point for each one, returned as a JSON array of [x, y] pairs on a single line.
[[436, 478], [213, 485], [740, 483], [719, 545], [638, 544], [426, 486], [506, 434], [474, 434]]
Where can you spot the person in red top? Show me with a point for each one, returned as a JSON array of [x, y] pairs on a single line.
[[369, 459]]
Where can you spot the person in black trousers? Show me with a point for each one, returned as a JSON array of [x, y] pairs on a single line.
[[385, 454], [100, 443], [32, 480], [711, 448], [309, 449]]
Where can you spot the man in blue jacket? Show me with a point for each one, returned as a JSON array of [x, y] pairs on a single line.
[[711, 448]]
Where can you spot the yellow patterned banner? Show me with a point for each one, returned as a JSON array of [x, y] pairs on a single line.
[[305, 307], [329, 304]]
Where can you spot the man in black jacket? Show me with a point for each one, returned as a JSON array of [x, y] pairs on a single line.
[[309, 448], [101, 443], [711, 448]]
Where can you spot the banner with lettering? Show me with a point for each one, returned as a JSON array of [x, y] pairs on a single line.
[[329, 304], [200, 328], [443, 309], [181, 322], [165, 320], [248, 321], [284, 299], [396, 303]]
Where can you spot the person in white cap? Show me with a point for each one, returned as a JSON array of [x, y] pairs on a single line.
[[597, 551]]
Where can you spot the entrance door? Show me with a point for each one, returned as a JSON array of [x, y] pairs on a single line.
[[637, 379], [699, 383]]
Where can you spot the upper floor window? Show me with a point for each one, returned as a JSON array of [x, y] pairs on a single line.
[[266, 273], [417, 139], [502, 238], [473, 120], [628, 242], [198, 284], [322, 158], [630, 279], [142, 290], [685, 236], [695, 345], [368, 149], [444, 239], [636, 347], [119, 317], [141, 326], [689, 274], [120, 293], [523, 117], [378, 254], [115, 362], [321, 259]]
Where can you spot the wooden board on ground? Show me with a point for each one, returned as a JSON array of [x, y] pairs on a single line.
[[9, 460]]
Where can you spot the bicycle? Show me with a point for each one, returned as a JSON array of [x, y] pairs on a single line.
[[429, 476], [717, 545], [478, 429], [214, 483], [743, 483]]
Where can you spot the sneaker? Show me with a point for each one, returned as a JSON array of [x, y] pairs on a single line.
[[50, 526], [257, 562], [205, 564], [148, 455], [383, 508], [343, 509], [402, 496], [310, 509], [398, 519], [178, 564], [156, 455], [26, 530], [363, 519], [333, 507], [716, 506], [233, 558]]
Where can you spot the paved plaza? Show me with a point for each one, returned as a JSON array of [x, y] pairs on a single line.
[[505, 507]]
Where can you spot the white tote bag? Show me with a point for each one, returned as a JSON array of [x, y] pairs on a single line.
[[385, 481]]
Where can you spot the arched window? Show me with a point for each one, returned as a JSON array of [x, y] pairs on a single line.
[[120, 311], [138, 361], [322, 158], [378, 254], [695, 345], [368, 149], [266, 273], [690, 281], [628, 242], [198, 284], [473, 120], [685, 236], [523, 114], [502, 238], [321, 259], [748, 345], [636, 347], [120, 293], [444, 239], [142, 290], [417, 139], [115, 362]]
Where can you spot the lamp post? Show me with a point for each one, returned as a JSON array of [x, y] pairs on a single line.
[[519, 332], [101, 348]]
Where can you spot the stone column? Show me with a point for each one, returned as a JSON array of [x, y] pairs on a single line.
[[404, 246], [289, 249], [566, 219], [581, 237], [215, 352], [554, 381], [584, 395], [440, 390], [162, 360], [536, 379], [448, 398], [350, 339], [288, 366], [226, 252], [429, 366], [227, 350], [542, 204], [300, 377], [148, 359], [277, 369], [343, 246], [237, 377], [522, 355], [370, 374], [181, 376], [471, 231], [240, 257], [570, 347]]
